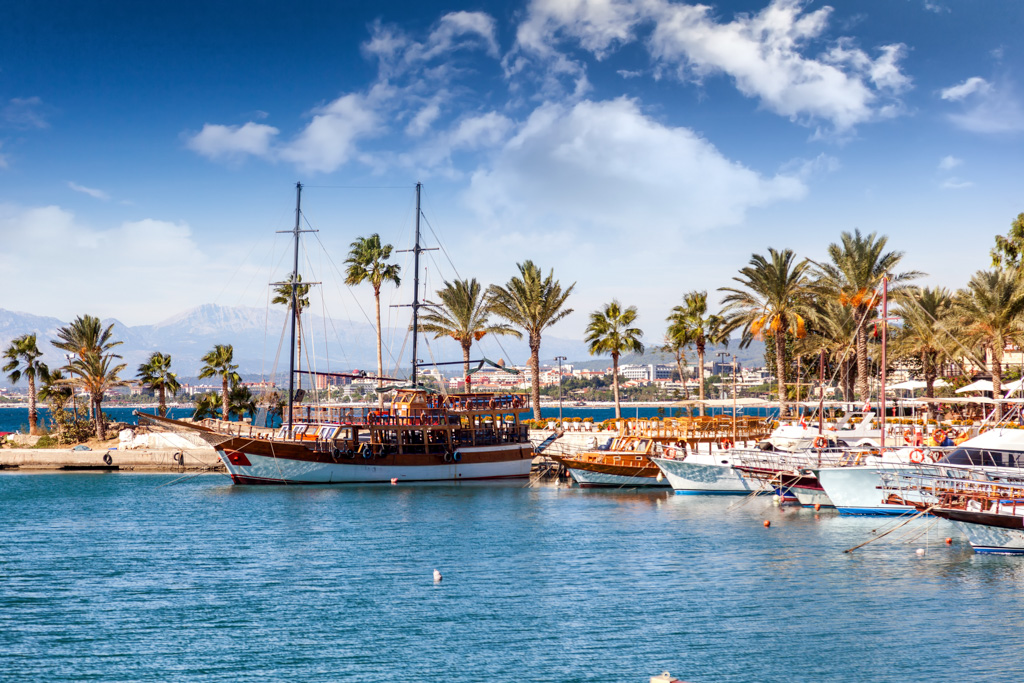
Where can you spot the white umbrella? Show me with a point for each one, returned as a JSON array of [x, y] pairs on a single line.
[[980, 385], [912, 384], [1013, 387]]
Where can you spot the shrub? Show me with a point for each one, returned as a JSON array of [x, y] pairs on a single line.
[[46, 441]]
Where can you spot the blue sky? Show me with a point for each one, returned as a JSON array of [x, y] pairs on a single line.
[[148, 151]]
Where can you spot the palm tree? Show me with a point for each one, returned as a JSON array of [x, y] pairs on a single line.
[[991, 312], [96, 374], [677, 347], [83, 336], [463, 317], [156, 375], [858, 264], [207, 405], [609, 332], [55, 391], [691, 324], [283, 296], [533, 303], [367, 262], [926, 315], [832, 329], [775, 296], [218, 363], [241, 402], [23, 361]]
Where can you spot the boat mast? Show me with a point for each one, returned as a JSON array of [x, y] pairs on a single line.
[[416, 286], [295, 296], [885, 327]]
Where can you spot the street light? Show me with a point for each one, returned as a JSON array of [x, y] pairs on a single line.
[[560, 359]]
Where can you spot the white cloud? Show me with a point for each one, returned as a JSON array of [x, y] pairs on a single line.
[[215, 141], [769, 55], [763, 53], [97, 194], [972, 85], [948, 163], [146, 254], [935, 7], [956, 184], [398, 54], [423, 119], [606, 168], [986, 107], [24, 113], [329, 140]]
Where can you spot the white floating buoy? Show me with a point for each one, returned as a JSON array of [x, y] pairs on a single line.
[[437, 576], [660, 477], [394, 480], [920, 551]]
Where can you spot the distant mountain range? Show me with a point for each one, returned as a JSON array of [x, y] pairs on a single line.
[[259, 336]]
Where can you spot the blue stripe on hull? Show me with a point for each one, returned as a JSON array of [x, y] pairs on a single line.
[[999, 551], [712, 493], [876, 511]]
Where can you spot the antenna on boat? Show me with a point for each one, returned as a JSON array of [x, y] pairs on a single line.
[[295, 295]]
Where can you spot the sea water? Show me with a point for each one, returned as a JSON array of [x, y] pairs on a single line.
[[129, 577]]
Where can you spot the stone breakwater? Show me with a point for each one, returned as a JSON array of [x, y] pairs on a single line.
[[138, 460]]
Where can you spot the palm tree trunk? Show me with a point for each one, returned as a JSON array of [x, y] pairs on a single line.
[[929, 382], [780, 369], [615, 385], [163, 404], [465, 366], [33, 411], [700, 375], [862, 361], [997, 383], [844, 378], [97, 411], [224, 399], [380, 355], [535, 371]]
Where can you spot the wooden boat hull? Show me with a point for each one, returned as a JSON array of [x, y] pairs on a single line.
[[609, 468], [264, 462]]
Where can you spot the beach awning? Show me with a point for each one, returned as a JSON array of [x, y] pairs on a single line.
[[1013, 387], [963, 400], [980, 385], [912, 384]]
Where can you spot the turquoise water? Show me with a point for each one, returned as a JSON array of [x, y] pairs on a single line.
[[113, 577], [14, 419]]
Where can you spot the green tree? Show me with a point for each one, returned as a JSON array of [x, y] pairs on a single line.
[[241, 402], [83, 336], [463, 316], [1009, 249], [991, 314], [609, 333], [367, 262], [774, 295], [156, 375], [927, 319], [22, 358], [692, 325], [859, 262], [283, 296], [96, 374], [207, 405], [533, 303], [219, 363], [677, 347]]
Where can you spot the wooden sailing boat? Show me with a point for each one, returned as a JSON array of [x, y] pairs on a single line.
[[422, 436]]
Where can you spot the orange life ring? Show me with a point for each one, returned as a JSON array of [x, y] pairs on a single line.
[[907, 437], [820, 442], [725, 444], [939, 436], [917, 455]]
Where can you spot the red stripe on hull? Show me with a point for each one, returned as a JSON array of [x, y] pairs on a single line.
[[260, 481]]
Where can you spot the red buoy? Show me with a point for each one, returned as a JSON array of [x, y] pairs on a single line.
[[767, 523], [949, 541], [817, 506]]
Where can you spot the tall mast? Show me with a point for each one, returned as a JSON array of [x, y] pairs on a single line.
[[416, 286], [885, 327], [295, 296]]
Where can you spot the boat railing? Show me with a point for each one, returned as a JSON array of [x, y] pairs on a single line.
[[483, 402], [786, 460]]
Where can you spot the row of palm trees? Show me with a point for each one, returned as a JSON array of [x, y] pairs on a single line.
[[94, 369]]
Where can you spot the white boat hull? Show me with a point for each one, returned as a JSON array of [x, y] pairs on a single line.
[[994, 540], [588, 478], [278, 470], [687, 476], [858, 491]]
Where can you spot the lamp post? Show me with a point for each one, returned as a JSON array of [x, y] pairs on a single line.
[[560, 359]]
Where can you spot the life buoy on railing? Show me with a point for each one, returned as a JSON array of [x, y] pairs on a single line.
[[725, 444], [820, 442], [917, 455], [939, 436], [907, 437]]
